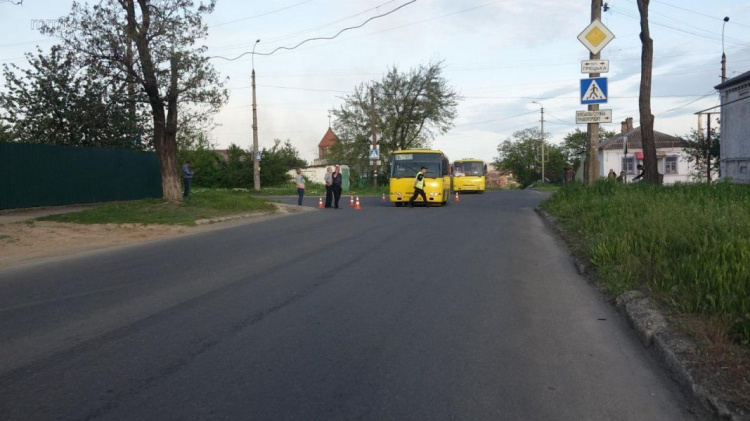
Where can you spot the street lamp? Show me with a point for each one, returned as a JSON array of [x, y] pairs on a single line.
[[540, 104], [256, 166]]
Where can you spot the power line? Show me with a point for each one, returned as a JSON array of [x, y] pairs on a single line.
[[260, 15], [697, 13], [320, 38], [304, 31]]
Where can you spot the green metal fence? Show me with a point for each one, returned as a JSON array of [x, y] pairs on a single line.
[[47, 175]]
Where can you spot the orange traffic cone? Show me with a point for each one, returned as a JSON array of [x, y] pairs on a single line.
[[320, 203], [457, 199], [357, 205], [383, 199], [351, 200]]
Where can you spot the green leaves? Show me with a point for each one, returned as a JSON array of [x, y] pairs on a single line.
[[411, 108]]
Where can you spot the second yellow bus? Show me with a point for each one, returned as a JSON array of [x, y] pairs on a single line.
[[469, 175]]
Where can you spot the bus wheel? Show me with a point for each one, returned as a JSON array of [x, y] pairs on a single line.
[[399, 204]]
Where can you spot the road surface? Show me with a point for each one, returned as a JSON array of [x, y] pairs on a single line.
[[469, 312]]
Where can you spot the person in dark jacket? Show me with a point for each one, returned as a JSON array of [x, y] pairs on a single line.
[[641, 173], [336, 186], [187, 177]]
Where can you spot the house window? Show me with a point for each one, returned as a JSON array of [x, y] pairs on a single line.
[[628, 165], [670, 165]]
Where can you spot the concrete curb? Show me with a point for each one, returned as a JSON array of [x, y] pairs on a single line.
[[675, 353], [281, 209]]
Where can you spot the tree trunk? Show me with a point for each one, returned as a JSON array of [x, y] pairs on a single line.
[[650, 165], [165, 127]]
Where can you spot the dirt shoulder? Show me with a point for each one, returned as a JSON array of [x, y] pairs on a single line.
[[31, 241]]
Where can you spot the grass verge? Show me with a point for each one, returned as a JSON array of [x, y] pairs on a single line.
[[688, 245], [315, 189], [202, 204]]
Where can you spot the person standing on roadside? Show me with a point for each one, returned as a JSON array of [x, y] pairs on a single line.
[[328, 178], [641, 173], [187, 177], [419, 187], [336, 186], [300, 181]]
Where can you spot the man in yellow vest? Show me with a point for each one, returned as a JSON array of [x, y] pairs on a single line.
[[419, 187]]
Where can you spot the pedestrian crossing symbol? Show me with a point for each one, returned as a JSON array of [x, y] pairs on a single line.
[[594, 90], [374, 154]]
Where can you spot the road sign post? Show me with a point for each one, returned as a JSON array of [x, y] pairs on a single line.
[[594, 37]]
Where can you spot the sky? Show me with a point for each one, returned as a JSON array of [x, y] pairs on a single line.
[[499, 55]]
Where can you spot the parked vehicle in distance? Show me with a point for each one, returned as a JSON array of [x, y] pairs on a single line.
[[469, 175], [404, 168]]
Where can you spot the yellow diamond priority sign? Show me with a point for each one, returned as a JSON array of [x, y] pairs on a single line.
[[596, 36]]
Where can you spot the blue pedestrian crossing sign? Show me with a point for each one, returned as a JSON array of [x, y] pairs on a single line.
[[374, 154], [594, 90]]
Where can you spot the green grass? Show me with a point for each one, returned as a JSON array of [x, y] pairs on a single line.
[[315, 189], [545, 187], [369, 190], [290, 189], [201, 204], [688, 245]]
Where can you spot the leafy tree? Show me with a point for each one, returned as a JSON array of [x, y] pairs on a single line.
[[521, 156], [5, 133], [55, 101], [151, 44], [277, 161], [411, 108], [575, 143], [697, 147]]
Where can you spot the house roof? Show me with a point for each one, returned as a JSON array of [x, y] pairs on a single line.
[[662, 140], [733, 81], [329, 139]]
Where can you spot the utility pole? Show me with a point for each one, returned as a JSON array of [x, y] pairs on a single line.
[[723, 55], [708, 148], [542, 136], [374, 136], [256, 164], [591, 169]]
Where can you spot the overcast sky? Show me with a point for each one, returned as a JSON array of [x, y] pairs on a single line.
[[500, 56]]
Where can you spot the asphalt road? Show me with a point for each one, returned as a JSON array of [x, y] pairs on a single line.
[[473, 311]]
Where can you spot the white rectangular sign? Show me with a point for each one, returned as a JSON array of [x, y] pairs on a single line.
[[588, 117], [594, 66]]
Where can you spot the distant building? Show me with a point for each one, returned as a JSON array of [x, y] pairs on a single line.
[[497, 178], [672, 158], [735, 128], [324, 147]]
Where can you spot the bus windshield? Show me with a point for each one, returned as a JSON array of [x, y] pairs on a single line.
[[407, 165], [469, 168]]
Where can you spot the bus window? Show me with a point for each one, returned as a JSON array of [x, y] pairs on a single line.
[[408, 165]]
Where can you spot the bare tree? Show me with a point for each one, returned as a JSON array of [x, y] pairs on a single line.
[[651, 172]]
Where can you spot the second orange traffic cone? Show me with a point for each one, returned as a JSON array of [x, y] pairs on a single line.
[[320, 203], [383, 199], [457, 199], [351, 200], [357, 205]]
